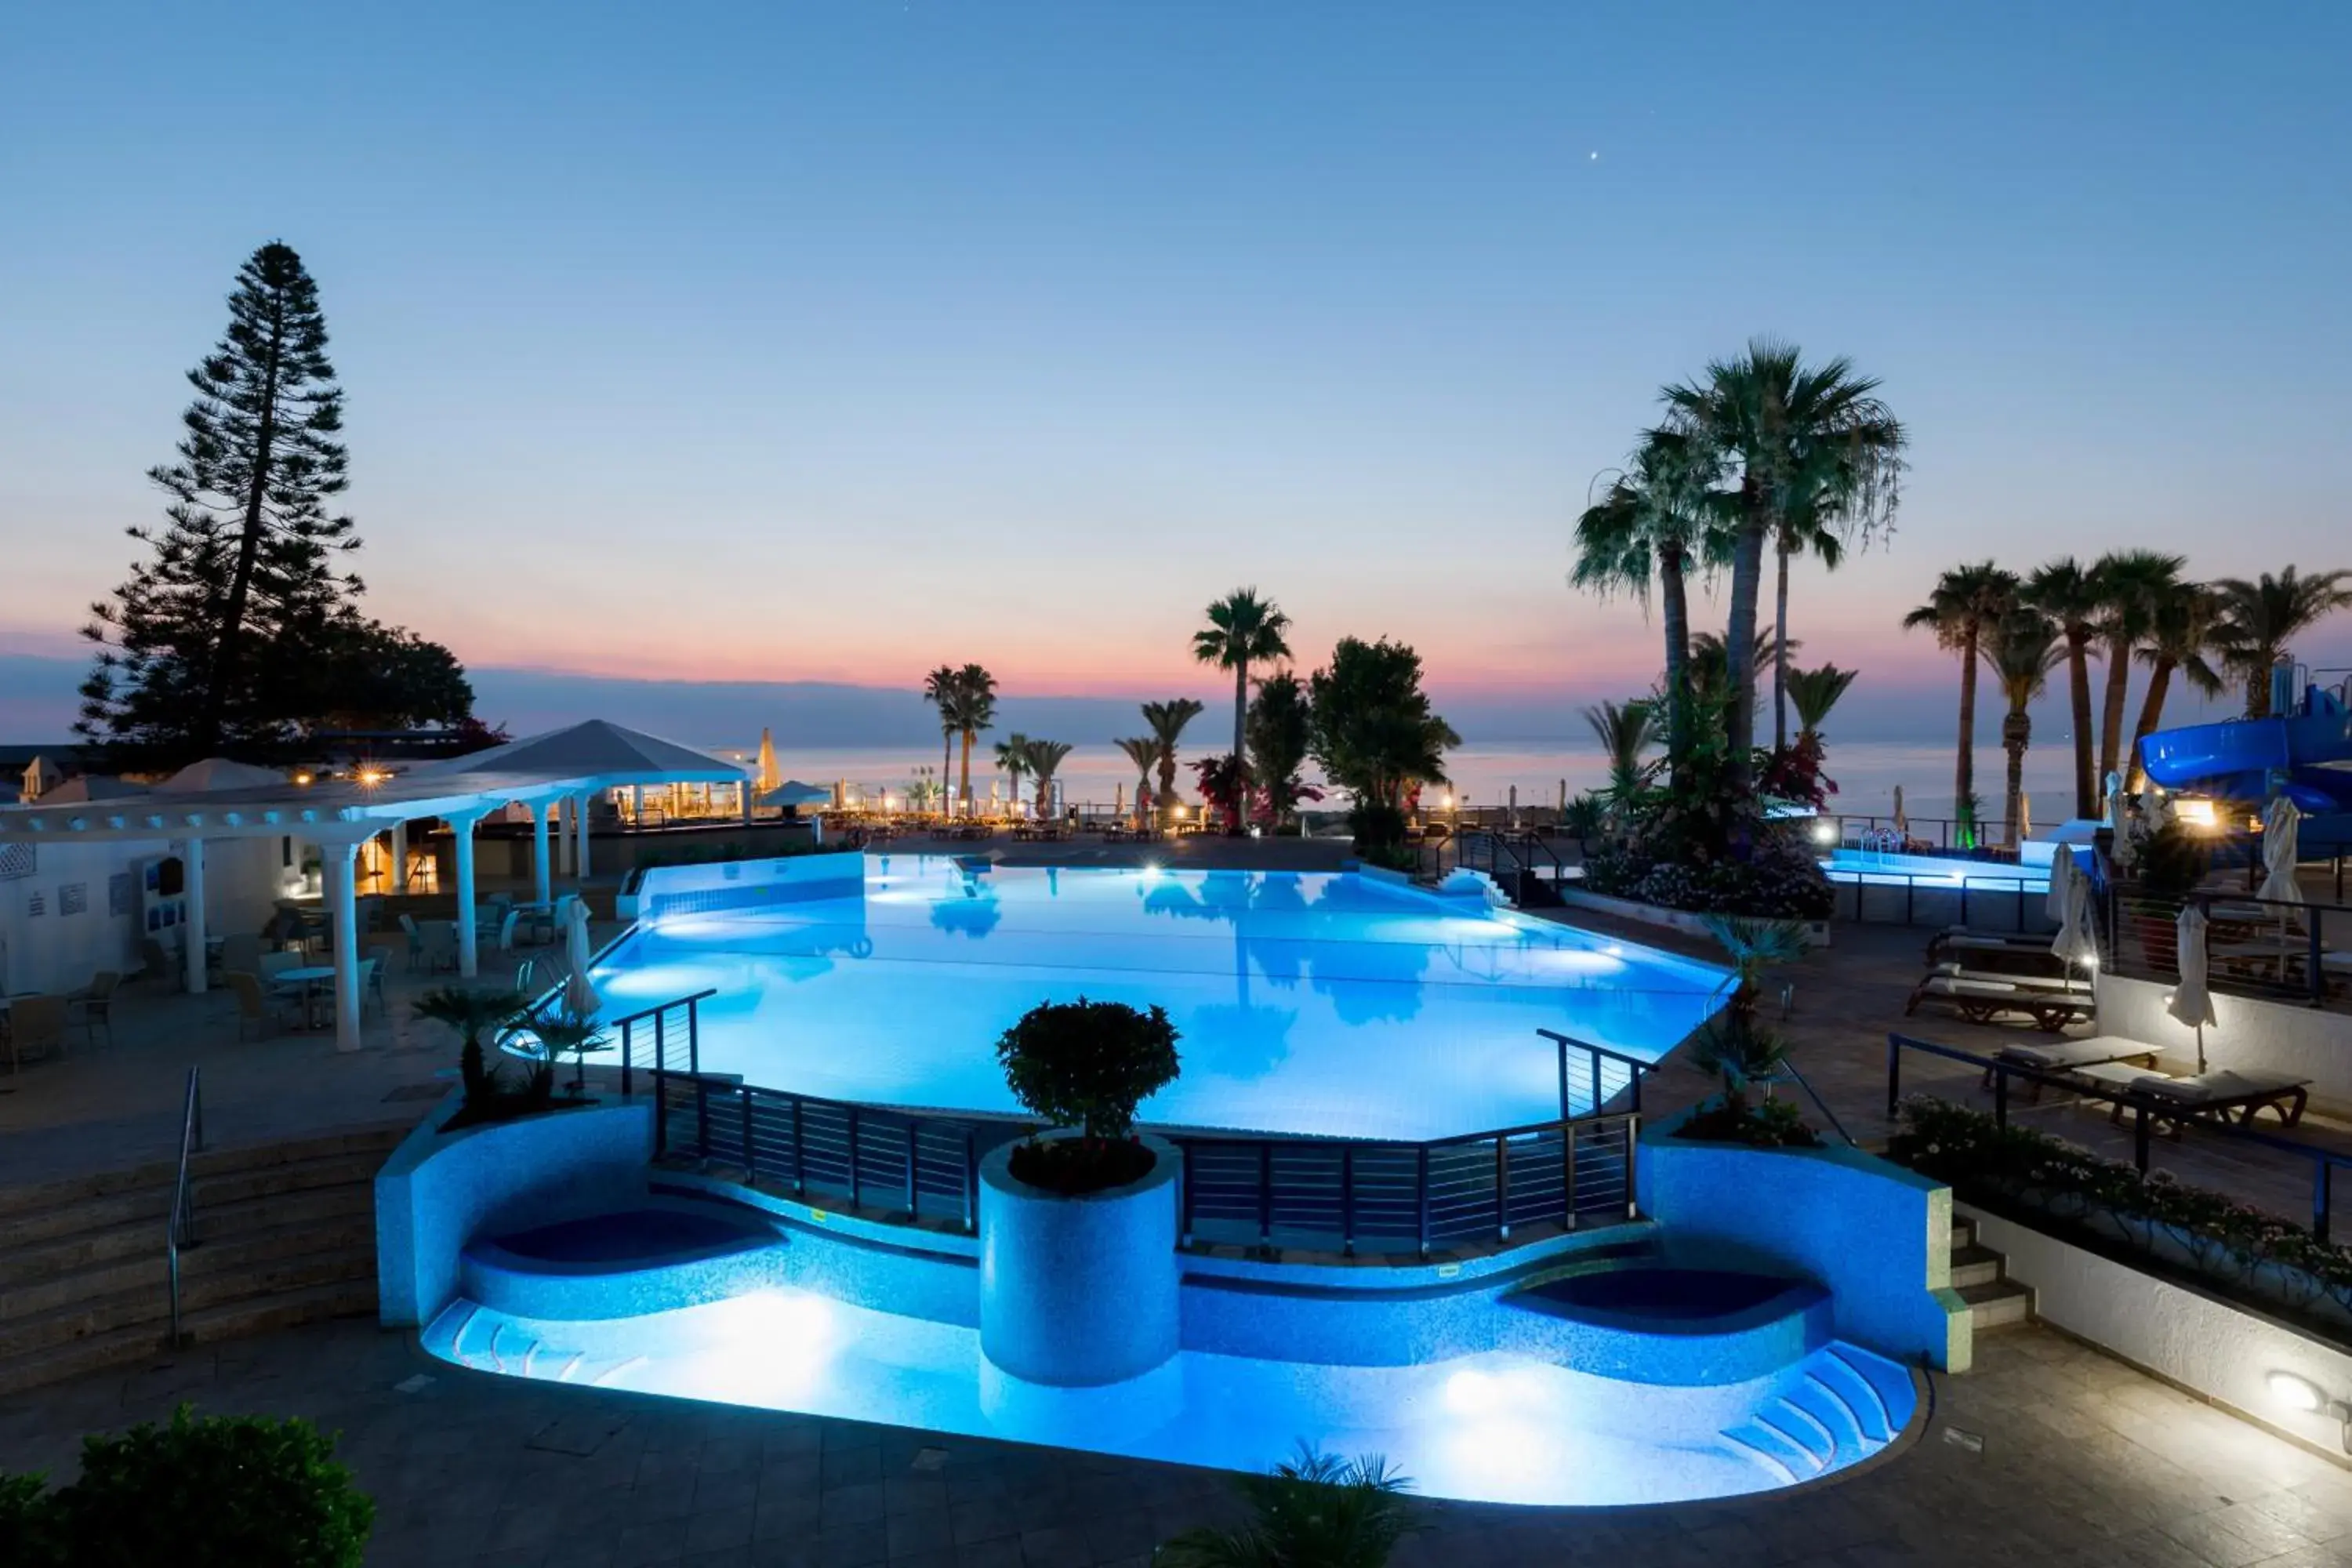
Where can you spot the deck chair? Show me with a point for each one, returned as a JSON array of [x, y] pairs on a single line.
[[255, 1007], [1980, 1001], [2074, 1056], [241, 953], [372, 984], [2219, 1093], [36, 1028], [95, 1004]]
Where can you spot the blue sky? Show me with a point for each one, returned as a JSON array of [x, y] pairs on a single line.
[[829, 342]]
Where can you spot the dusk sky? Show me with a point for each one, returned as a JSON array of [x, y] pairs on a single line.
[[830, 343]]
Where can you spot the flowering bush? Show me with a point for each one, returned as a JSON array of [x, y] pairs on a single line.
[[2240, 1250], [1780, 880]]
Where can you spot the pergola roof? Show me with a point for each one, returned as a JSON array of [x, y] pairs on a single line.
[[587, 756]]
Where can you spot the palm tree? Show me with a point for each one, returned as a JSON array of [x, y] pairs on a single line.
[[1012, 761], [2179, 633], [2259, 619], [1733, 1045], [2069, 594], [1710, 664], [1662, 515], [2021, 650], [473, 1013], [1626, 732], [1967, 603], [1042, 758], [1144, 752], [1167, 720], [940, 691], [1812, 693], [1314, 1511], [1243, 630], [2136, 582], [972, 706], [1798, 534], [1809, 443]]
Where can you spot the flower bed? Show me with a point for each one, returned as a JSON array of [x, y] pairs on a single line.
[[2151, 1222], [1781, 881]]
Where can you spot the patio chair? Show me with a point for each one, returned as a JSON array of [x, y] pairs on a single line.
[[415, 941], [372, 985], [270, 966], [1980, 1001], [155, 963], [255, 1007], [241, 953], [95, 1003], [506, 929], [36, 1028], [440, 939]]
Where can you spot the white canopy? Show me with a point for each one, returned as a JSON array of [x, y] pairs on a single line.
[[218, 773], [83, 788], [792, 791], [594, 751]]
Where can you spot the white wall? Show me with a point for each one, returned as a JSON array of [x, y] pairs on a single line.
[[54, 950], [2246, 1032]]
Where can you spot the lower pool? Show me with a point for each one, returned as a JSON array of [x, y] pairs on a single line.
[[1875, 868]]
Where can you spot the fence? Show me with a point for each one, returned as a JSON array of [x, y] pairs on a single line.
[[1897, 897], [2146, 1111], [2294, 952], [1339, 1194]]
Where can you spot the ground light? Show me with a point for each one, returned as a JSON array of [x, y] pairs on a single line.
[[2295, 1391]]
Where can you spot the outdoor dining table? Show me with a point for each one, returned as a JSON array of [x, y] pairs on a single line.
[[308, 979]]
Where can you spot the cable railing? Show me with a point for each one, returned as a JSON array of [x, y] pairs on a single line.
[[2299, 953], [2147, 1113], [1382, 1195], [180, 1228], [664, 1037], [1942, 833], [1897, 897]]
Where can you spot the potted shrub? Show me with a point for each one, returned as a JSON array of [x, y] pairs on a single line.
[[1736, 1048], [1085, 1066], [1315, 1510]]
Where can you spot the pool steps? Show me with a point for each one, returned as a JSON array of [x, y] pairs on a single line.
[[1836, 1416], [1981, 1277]]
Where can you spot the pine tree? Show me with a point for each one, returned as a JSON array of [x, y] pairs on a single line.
[[246, 558]]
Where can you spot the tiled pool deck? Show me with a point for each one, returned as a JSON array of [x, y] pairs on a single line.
[[2048, 1455]]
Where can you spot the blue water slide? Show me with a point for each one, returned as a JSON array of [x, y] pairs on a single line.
[[2235, 761]]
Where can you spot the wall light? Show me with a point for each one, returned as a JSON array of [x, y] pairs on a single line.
[[2292, 1391]]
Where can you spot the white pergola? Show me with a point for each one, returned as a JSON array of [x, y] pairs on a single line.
[[539, 772]]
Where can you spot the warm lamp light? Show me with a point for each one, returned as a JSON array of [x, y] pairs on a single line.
[[301, 778]]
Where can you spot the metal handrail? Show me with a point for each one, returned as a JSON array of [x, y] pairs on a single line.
[[2146, 1110], [1861, 877], [2310, 948], [180, 1229], [1819, 1103]]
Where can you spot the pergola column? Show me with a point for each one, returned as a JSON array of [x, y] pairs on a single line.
[[462, 830], [580, 826], [192, 930], [338, 863], [396, 848], [542, 882]]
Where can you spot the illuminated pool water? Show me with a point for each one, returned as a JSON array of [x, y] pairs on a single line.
[[1306, 1003], [1876, 869], [1494, 1426]]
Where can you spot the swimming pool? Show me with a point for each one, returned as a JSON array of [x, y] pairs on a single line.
[[1313, 1004], [1923, 871]]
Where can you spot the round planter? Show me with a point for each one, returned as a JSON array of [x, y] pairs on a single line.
[[1078, 1292]]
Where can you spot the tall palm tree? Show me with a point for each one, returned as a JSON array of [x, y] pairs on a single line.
[[2021, 650], [1144, 752], [972, 706], [1808, 442], [1967, 603], [2180, 636], [2135, 582], [940, 691], [2260, 618], [1662, 515], [1812, 693], [2069, 594], [1710, 663], [1626, 732], [1043, 757], [1243, 630], [1167, 720], [1012, 761], [1799, 533]]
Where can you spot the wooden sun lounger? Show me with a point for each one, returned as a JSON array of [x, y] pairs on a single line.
[[1964, 938], [2057, 979], [2078, 1057], [2215, 1094], [1980, 1001]]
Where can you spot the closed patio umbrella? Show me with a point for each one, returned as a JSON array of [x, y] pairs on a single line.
[[1902, 821], [2076, 942], [2114, 816], [2282, 827], [2024, 816], [2062, 866], [2192, 1001], [580, 997]]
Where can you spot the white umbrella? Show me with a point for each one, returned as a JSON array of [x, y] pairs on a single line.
[[2076, 942], [1902, 822], [1119, 798], [580, 997], [2191, 1001], [2024, 816], [2061, 870], [1515, 806], [2114, 797], [2282, 826]]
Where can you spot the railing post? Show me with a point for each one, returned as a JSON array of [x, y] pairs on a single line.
[[1894, 1074], [2323, 1198], [694, 1036], [629, 1049], [1420, 1191], [701, 1120], [800, 1150], [1910, 892], [1566, 1110], [1348, 1200], [1632, 1164], [1594, 1057], [1265, 1194], [1184, 1196], [751, 1160], [2001, 1098], [2139, 1138], [661, 1113], [1567, 1175], [1502, 1188], [852, 1157], [914, 1194], [971, 1180]]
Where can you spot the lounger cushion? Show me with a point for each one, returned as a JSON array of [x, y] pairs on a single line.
[[2096, 1051], [2208, 1088]]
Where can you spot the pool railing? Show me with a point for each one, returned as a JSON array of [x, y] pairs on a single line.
[[2296, 953], [1379, 1194]]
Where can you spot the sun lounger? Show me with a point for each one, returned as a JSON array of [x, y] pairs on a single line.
[[2065, 984], [1980, 1000], [2076, 1057], [2217, 1094], [1961, 939]]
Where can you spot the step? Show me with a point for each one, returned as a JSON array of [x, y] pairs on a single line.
[[143, 1238], [149, 1304], [144, 1341], [345, 1167], [41, 1197], [220, 1251], [1964, 1234], [1997, 1304], [1975, 1266]]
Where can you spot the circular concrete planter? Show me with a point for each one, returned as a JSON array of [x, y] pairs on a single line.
[[1078, 1292]]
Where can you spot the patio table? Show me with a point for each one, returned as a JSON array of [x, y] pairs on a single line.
[[308, 979]]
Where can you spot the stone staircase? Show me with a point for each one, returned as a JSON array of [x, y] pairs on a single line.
[[285, 1233], [1980, 1275]]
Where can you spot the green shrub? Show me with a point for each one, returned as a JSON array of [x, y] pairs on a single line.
[[1313, 1511], [235, 1491], [1086, 1064]]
